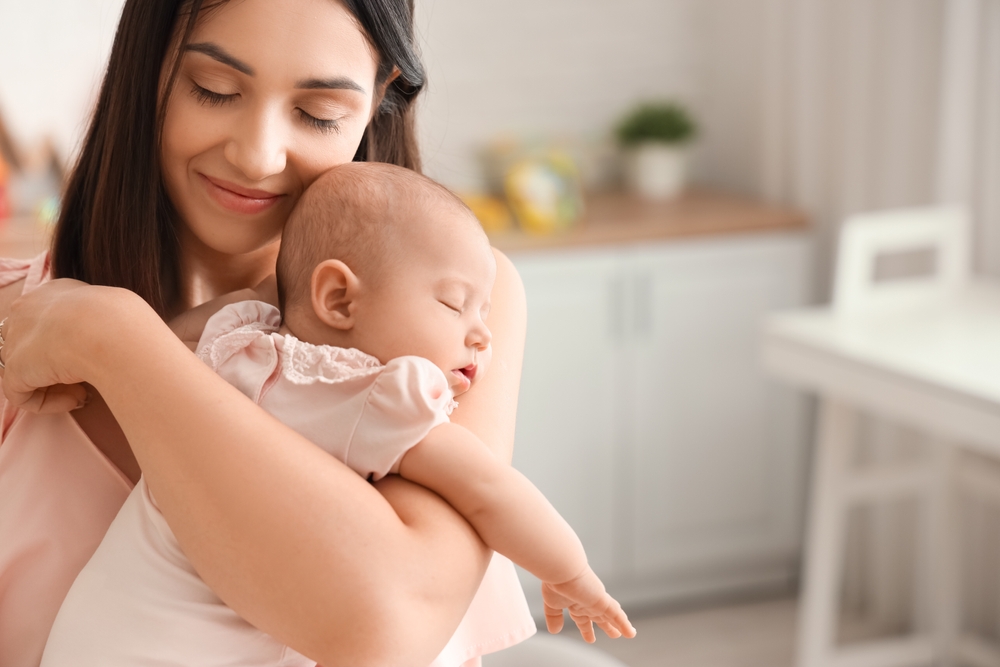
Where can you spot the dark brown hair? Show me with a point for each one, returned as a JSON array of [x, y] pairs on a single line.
[[117, 225]]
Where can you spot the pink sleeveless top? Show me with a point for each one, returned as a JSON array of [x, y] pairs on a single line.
[[58, 495]]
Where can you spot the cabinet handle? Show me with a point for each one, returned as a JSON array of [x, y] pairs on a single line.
[[642, 314]]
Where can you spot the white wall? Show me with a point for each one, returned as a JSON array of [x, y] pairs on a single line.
[[519, 67], [530, 68], [52, 55], [774, 101]]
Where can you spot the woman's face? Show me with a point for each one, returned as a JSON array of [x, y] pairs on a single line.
[[269, 95]]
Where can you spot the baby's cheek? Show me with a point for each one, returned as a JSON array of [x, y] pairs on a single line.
[[483, 361]]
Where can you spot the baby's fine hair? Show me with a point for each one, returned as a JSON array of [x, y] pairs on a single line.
[[354, 213]]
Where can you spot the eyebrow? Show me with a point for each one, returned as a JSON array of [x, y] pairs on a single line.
[[216, 52], [335, 83]]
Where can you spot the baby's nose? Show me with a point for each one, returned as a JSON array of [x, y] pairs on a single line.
[[480, 337]]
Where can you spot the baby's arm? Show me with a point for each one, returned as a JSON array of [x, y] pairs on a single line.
[[514, 518]]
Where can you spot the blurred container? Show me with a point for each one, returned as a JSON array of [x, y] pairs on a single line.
[[34, 189], [545, 192], [656, 170], [491, 212]]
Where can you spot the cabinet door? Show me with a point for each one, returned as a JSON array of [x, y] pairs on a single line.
[[717, 447], [566, 425]]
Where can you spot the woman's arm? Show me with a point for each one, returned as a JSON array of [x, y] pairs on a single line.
[[344, 572]]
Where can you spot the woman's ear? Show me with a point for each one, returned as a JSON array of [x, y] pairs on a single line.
[[380, 91], [334, 290]]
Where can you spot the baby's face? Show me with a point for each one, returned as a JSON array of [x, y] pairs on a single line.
[[435, 301]]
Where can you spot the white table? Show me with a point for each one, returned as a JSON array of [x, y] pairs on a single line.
[[934, 366]]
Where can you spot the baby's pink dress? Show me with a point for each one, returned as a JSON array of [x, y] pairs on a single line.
[[139, 602], [58, 495]]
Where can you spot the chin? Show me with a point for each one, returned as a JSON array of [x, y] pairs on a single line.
[[234, 241]]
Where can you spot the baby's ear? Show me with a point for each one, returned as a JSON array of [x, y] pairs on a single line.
[[334, 290]]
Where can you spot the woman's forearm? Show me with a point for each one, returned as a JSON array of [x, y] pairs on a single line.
[[337, 573], [288, 536]]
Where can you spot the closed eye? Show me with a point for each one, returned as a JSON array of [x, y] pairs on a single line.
[[322, 124], [210, 97], [450, 307]]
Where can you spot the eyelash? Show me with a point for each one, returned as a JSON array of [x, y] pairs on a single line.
[[321, 124], [211, 98], [451, 308]]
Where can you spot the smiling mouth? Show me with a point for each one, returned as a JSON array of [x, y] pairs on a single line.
[[237, 198]]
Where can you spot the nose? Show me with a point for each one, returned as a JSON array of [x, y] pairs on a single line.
[[258, 146], [479, 336]]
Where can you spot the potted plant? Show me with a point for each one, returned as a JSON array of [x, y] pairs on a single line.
[[655, 137]]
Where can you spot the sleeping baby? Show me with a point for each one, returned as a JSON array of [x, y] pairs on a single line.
[[384, 281]]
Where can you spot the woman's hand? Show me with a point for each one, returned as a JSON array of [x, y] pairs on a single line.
[[189, 325], [46, 337]]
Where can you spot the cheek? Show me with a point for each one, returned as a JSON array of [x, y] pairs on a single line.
[[318, 156], [187, 133]]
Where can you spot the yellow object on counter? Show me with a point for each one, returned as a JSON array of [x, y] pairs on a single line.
[[545, 193], [493, 214]]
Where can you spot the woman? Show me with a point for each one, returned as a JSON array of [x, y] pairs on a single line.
[[210, 123]]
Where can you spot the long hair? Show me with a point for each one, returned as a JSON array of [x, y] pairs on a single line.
[[117, 225]]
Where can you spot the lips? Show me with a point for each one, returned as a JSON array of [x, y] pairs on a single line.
[[238, 199], [465, 376]]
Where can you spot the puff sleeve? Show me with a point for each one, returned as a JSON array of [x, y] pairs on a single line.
[[237, 344], [410, 397]]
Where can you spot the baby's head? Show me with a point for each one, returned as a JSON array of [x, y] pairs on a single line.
[[385, 260]]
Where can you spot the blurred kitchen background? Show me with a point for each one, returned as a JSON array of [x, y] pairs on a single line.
[[647, 412]]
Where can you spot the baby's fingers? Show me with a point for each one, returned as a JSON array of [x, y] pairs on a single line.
[[553, 619], [586, 627], [609, 628], [616, 620]]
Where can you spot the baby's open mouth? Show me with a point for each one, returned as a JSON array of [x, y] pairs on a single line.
[[469, 372]]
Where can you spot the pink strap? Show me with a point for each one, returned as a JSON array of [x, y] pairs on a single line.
[[35, 271]]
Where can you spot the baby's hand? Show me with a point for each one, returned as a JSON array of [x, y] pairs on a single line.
[[588, 603]]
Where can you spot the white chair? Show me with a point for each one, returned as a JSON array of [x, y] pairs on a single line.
[[865, 238], [837, 486], [544, 650]]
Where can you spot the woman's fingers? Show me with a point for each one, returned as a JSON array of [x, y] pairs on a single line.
[[52, 399], [49, 337]]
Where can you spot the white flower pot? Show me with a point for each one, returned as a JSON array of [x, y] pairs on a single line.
[[656, 170]]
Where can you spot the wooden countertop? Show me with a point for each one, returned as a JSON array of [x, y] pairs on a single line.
[[608, 219], [620, 218]]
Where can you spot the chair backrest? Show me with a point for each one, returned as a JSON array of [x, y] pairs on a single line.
[[866, 238]]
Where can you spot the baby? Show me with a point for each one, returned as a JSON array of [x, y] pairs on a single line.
[[384, 281]]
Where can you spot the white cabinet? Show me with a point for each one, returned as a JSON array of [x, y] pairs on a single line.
[[645, 417]]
